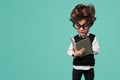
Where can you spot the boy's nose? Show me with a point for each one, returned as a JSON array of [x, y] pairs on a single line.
[[81, 28]]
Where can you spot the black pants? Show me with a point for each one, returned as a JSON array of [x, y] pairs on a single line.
[[88, 74]]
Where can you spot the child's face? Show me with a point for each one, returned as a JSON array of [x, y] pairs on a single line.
[[82, 27]]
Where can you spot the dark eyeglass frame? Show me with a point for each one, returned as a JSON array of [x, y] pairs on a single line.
[[84, 26]]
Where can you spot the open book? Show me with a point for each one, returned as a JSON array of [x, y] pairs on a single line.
[[85, 43]]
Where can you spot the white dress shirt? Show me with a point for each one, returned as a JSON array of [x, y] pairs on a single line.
[[95, 47]]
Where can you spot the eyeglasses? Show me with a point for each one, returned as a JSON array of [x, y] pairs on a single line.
[[84, 26]]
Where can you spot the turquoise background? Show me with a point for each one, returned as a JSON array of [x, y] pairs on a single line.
[[34, 38]]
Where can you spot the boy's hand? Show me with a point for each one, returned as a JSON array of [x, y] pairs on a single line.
[[78, 53]]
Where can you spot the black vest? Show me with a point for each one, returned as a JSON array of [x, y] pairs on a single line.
[[87, 60]]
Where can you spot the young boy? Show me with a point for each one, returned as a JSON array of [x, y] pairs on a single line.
[[83, 17]]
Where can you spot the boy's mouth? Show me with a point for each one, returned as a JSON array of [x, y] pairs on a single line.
[[82, 33]]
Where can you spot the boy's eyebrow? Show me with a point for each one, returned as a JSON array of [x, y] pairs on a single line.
[[82, 24]]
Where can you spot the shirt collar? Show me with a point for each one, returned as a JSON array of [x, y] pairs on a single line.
[[84, 36]]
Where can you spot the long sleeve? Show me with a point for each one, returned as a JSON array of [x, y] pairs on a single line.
[[70, 50], [95, 46]]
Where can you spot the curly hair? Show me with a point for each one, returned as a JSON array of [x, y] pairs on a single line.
[[82, 11]]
